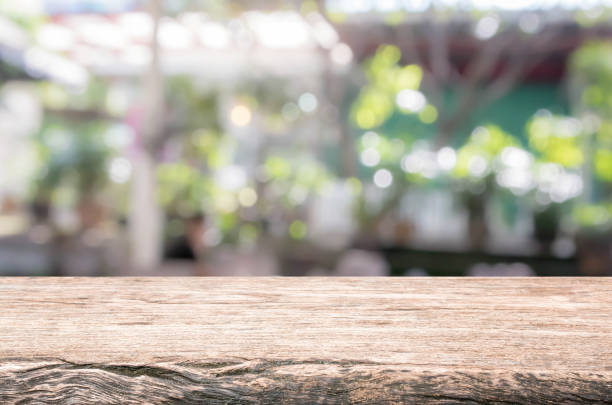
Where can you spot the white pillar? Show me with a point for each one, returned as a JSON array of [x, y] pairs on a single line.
[[145, 216], [145, 221]]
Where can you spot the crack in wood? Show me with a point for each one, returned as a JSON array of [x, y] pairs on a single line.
[[287, 382]]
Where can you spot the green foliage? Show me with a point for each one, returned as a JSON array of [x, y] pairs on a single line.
[[57, 97], [277, 168], [372, 108], [602, 160], [591, 68], [180, 188], [591, 65], [298, 229], [375, 103], [293, 180], [594, 216], [273, 101], [483, 145], [557, 139], [593, 16], [603, 164], [190, 105], [389, 150], [76, 158], [203, 173]]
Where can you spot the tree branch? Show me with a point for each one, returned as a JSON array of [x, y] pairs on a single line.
[[477, 72]]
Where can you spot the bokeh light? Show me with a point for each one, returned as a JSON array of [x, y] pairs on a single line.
[[240, 115]]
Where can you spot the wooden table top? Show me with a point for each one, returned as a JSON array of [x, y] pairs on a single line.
[[306, 340]]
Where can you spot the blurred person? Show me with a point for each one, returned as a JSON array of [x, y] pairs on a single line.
[[189, 244]]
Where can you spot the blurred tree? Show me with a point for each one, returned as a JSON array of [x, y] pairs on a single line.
[[72, 166], [244, 182], [469, 56], [72, 148], [591, 70], [445, 64]]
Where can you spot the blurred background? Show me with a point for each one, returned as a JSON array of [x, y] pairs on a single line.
[[329, 137]]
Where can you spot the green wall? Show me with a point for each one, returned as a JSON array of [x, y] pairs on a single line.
[[511, 112]]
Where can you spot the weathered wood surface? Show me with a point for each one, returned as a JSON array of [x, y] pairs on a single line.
[[306, 340]]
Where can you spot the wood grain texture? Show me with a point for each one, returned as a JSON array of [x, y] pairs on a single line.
[[305, 340]]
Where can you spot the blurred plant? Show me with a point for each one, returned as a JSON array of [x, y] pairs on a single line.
[[394, 88], [204, 170], [557, 142], [272, 99], [475, 158], [489, 157], [74, 145], [494, 163], [556, 139], [505, 46], [591, 69], [87, 103], [180, 189], [71, 163], [389, 87], [591, 77]]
